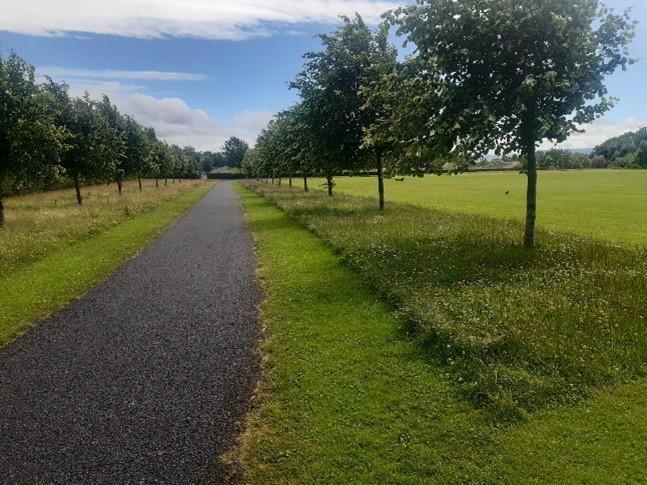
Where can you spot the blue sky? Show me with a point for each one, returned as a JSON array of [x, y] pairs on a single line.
[[202, 70]]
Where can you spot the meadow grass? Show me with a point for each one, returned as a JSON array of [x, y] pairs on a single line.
[[48, 221], [53, 251], [606, 204], [515, 330], [347, 397]]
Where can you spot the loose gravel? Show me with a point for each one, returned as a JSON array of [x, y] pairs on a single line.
[[146, 378]]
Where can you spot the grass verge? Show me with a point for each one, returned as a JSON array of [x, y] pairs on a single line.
[[48, 283], [40, 223], [514, 330], [347, 398]]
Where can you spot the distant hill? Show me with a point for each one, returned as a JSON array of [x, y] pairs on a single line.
[[630, 148]]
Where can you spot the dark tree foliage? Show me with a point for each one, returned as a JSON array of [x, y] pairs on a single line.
[[621, 146], [234, 151], [29, 138]]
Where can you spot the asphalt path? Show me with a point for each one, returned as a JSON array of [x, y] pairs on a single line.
[[146, 378]]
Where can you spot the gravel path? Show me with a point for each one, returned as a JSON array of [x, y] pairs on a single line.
[[146, 378]]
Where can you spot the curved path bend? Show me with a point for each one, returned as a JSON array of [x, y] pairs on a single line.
[[146, 378]]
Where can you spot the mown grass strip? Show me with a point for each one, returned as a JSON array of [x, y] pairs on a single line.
[[49, 283], [605, 204], [347, 397]]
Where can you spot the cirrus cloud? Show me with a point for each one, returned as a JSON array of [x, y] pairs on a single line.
[[220, 19], [76, 73]]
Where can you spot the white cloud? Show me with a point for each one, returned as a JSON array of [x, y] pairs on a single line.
[[176, 122], [253, 121], [173, 119], [73, 73], [597, 132], [212, 19]]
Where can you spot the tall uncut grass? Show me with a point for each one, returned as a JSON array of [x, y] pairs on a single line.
[[515, 330], [43, 222]]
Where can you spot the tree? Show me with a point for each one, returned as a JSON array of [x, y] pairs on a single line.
[[510, 74], [335, 111], [91, 141], [137, 149], [641, 155], [193, 162], [562, 159], [407, 130], [29, 138], [111, 141], [166, 162], [151, 166], [206, 162], [380, 62], [304, 145], [234, 151], [251, 164], [296, 156]]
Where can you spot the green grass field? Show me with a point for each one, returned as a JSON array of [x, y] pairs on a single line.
[[52, 251], [348, 396], [608, 204]]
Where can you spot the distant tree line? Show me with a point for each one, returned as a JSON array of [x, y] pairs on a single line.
[[625, 151], [628, 150], [232, 155], [50, 139], [486, 76]]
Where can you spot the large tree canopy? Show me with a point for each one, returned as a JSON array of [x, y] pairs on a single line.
[[507, 74], [335, 85]]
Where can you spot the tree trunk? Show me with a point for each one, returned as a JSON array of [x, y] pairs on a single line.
[[290, 181], [165, 181], [305, 183], [380, 180], [139, 181], [279, 181], [2, 221], [119, 186], [329, 184], [157, 183], [77, 188], [531, 197]]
